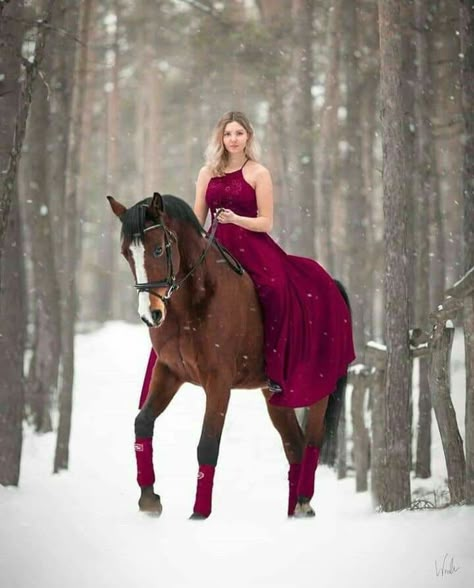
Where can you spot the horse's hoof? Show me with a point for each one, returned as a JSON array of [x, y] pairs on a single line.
[[303, 511], [197, 517], [150, 503]]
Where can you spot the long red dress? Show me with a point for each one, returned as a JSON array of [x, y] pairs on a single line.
[[307, 325]]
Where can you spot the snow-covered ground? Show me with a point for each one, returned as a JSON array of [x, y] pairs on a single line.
[[82, 528]]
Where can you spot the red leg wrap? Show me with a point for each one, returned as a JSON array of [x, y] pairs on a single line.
[[293, 477], [144, 455], [203, 503], [308, 471]]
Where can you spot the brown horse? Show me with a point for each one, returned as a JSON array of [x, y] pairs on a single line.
[[206, 328]]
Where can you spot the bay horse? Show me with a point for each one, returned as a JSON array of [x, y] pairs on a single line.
[[205, 324]]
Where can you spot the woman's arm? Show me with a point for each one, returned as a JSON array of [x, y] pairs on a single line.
[[263, 223], [200, 206]]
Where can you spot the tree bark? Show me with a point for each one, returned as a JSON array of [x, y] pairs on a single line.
[[467, 83], [78, 20], [12, 143], [273, 14], [397, 434], [327, 146], [12, 349], [356, 202], [303, 128], [423, 183], [107, 255], [12, 310], [43, 370]]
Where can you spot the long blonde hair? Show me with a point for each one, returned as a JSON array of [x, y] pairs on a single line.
[[216, 155]]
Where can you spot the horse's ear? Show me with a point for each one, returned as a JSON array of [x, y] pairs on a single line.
[[156, 205], [117, 208]]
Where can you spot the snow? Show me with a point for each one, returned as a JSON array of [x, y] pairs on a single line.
[[377, 345], [82, 528]]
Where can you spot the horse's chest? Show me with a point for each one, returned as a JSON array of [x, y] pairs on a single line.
[[181, 356]]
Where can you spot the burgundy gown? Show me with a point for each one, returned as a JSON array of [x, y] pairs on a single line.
[[307, 325]]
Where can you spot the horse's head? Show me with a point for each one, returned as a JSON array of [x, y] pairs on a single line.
[[150, 248]]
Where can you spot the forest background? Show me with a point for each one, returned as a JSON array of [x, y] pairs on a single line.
[[364, 113]]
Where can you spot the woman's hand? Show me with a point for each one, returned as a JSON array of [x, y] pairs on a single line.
[[226, 216]]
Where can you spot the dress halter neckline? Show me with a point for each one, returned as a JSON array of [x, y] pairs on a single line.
[[237, 170]]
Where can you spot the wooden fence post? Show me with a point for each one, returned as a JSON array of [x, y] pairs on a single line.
[[439, 379], [376, 356], [464, 290], [359, 378]]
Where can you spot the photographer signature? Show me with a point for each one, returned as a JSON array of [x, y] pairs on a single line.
[[447, 568]]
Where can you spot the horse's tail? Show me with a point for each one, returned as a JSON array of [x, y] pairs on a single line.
[[343, 291], [331, 422], [334, 408]]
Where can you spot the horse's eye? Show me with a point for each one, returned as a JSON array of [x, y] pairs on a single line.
[[157, 251]]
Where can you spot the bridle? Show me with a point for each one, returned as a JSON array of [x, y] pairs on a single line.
[[171, 281]]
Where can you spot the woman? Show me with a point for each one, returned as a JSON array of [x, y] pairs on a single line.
[[307, 326]]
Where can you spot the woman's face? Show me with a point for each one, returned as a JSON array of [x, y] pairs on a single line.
[[235, 137]]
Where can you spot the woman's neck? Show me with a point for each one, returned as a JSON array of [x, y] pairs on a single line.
[[235, 161]]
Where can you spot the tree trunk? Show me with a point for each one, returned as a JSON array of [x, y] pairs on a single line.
[[43, 372], [327, 146], [12, 311], [303, 129], [278, 157], [397, 434], [273, 14], [356, 203], [423, 176], [409, 74], [12, 142], [107, 257], [467, 82], [12, 349], [369, 126], [78, 20], [425, 13]]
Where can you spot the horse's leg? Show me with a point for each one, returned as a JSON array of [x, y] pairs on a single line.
[[285, 422], [163, 386], [217, 401], [314, 437]]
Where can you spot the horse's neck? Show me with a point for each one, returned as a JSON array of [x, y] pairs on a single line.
[[191, 247]]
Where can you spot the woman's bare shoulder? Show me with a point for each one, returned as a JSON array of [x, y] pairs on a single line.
[[205, 173], [257, 169]]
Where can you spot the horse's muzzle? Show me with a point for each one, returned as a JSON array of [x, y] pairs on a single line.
[[156, 321]]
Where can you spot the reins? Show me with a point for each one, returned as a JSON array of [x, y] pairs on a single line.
[[170, 280]]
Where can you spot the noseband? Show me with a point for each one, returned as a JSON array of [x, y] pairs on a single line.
[[170, 281]]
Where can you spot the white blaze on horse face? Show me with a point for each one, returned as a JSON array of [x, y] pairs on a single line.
[[138, 254]]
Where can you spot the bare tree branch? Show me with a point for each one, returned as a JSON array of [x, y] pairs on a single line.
[[207, 9], [8, 180]]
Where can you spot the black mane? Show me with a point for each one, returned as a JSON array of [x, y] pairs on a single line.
[[135, 217]]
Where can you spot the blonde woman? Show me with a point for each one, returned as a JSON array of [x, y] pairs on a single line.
[[307, 326]]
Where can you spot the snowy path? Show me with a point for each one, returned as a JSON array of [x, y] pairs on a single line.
[[82, 528]]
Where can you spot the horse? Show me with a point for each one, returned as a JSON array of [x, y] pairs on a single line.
[[206, 328]]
